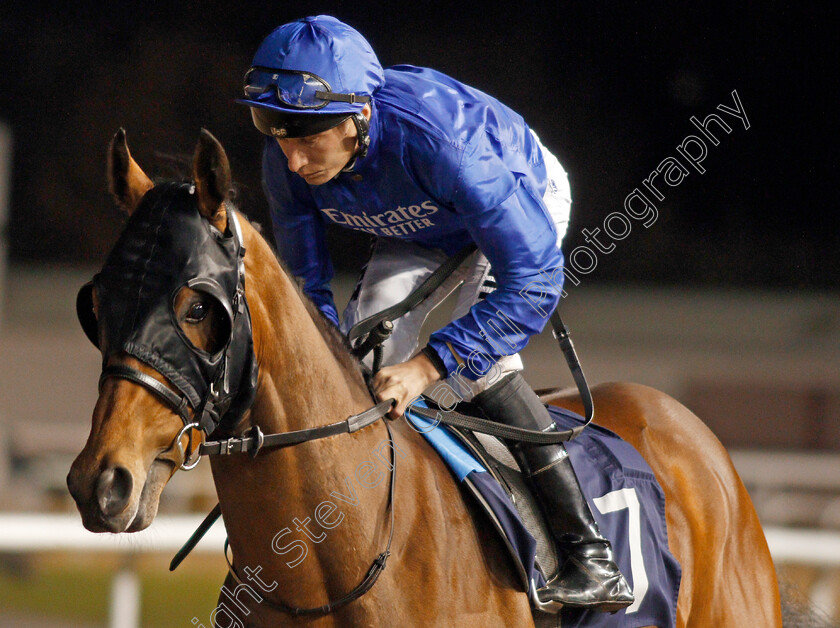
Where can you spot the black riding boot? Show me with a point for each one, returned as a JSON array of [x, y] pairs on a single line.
[[589, 578]]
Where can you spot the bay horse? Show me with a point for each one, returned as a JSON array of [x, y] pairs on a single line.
[[447, 568]]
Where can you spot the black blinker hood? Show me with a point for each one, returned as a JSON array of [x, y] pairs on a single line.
[[165, 246]]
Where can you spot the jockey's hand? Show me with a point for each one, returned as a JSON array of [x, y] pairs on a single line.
[[404, 382]]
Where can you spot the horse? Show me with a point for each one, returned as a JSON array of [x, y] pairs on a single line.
[[446, 567]]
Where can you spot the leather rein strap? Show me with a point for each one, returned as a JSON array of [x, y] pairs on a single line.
[[429, 285], [518, 434], [379, 326], [252, 444], [376, 567]]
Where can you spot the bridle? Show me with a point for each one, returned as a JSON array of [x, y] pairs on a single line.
[[228, 379], [209, 413], [230, 385]]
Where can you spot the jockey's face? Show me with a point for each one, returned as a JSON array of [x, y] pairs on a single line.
[[318, 158]]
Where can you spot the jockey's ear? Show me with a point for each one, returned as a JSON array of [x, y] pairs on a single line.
[[211, 171], [126, 180]]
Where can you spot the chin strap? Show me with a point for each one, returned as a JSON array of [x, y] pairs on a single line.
[[363, 135], [363, 130]]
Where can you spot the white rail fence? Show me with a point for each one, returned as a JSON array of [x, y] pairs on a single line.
[[27, 533]]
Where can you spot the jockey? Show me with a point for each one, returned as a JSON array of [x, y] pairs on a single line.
[[429, 165]]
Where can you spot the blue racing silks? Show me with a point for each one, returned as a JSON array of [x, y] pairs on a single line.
[[447, 165]]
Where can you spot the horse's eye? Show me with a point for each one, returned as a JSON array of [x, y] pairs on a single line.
[[198, 312]]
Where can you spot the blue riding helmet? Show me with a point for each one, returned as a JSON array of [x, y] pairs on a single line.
[[310, 75]]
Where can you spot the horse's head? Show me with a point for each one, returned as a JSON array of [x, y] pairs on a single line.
[[168, 313]]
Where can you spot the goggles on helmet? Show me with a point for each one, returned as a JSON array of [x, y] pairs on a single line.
[[294, 89]]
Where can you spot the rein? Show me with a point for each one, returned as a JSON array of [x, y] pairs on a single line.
[[379, 326], [372, 575], [372, 331], [252, 445]]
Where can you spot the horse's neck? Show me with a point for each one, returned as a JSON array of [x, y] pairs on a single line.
[[302, 381], [302, 384]]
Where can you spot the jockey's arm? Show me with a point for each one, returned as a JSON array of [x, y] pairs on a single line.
[[517, 250], [299, 232]]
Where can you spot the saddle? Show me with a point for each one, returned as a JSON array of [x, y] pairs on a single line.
[[613, 476], [624, 495]]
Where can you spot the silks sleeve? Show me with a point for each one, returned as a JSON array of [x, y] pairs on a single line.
[[508, 221], [299, 232]]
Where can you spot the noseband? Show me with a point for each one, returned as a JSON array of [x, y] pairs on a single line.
[[166, 246]]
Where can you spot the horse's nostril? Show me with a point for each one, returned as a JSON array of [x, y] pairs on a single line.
[[71, 485], [76, 485], [113, 490]]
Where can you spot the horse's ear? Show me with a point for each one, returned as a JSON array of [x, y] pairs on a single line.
[[126, 180], [211, 171]]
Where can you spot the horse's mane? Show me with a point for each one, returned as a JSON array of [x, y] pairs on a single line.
[[336, 341], [178, 169]]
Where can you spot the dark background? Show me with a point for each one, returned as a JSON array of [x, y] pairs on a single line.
[[610, 88]]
